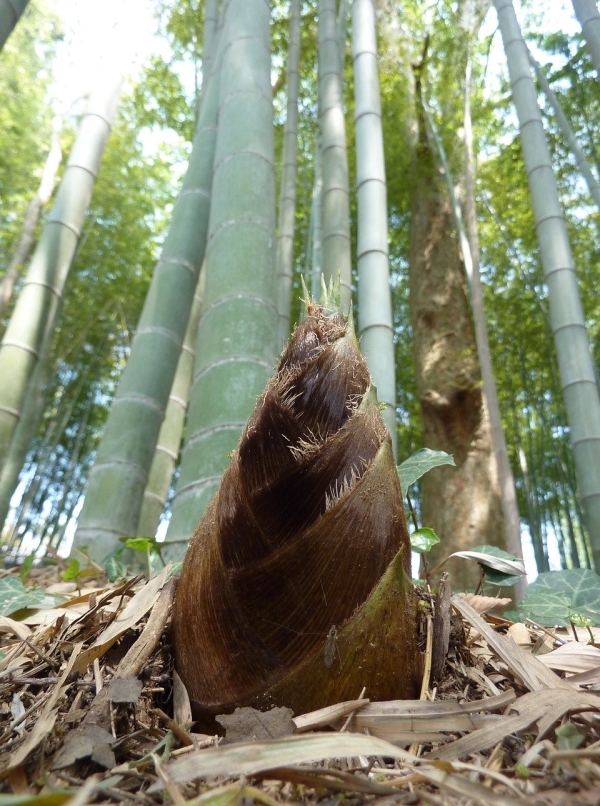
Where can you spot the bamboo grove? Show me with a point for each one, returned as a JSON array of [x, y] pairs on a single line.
[[146, 294]]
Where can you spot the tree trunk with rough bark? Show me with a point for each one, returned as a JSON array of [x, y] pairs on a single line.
[[462, 504]]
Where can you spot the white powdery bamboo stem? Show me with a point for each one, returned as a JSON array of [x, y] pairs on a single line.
[[576, 368], [568, 133], [587, 13], [284, 255], [375, 322], [335, 208]]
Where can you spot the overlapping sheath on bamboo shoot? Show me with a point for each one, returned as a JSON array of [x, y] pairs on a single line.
[[307, 532]]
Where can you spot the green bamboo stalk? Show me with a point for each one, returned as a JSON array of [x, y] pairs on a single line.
[[237, 333], [335, 210], [34, 314], [374, 298], [342, 33], [32, 215], [284, 255], [10, 14], [568, 133], [587, 13], [168, 444], [576, 369], [171, 430], [317, 242], [118, 478], [209, 33]]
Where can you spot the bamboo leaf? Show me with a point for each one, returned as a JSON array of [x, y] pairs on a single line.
[[252, 757]]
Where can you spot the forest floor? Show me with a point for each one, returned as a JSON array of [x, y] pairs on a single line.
[[91, 711]]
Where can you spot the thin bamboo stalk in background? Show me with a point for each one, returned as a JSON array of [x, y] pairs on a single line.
[[506, 479], [335, 209], [34, 314], [171, 430], [587, 13], [576, 368], [317, 244], [375, 323], [568, 133], [342, 33], [32, 216], [118, 478], [284, 255]]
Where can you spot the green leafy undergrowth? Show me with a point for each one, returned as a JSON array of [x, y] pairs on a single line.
[[563, 598], [14, 596], [419, 463], [500, 567]]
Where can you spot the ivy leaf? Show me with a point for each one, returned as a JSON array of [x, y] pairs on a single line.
[[500, 580], [419, 463], [494, 559], [423, 540], [569, 737], [115, 568], [558, 597], [15, 596]]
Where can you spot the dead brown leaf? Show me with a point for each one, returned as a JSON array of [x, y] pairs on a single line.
[[250, 725]]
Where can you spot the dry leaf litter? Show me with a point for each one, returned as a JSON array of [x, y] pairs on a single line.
[[91, 711]]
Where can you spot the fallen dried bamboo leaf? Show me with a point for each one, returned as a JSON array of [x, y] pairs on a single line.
[[97, 720], [248, 758], [520, 634], [526, 667], [574, 701], [481, 604], [182, 709], [137, 656], [572, 657], [17, 628], [539, 706], [407, 721], [328, 715], [136, 609], [326, 778], [254, 758], [45, 722]]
